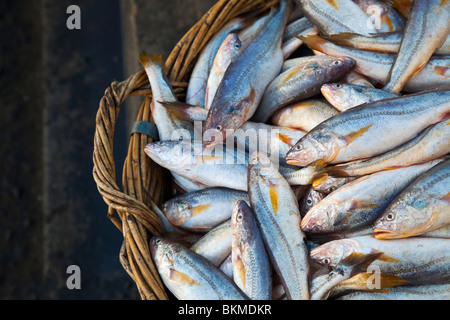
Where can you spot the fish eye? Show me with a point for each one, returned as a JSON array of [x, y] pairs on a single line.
[[237, 45], [239, 216], [338, 85], [390, 216], [309, 201], [219, 128], [336, 62], [158, 241], [326, 261], [298, 147], [317, 228]]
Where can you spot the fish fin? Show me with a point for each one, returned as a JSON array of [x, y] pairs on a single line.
[[442, 2], [333, 4], [181, 277], [361, 259], [319, 181], [361, 280], [199, 209], [419, 69], [352, 136], [274, 197], [180, 110], [286, 139], [290, 73], [313, 42], [384, 257], [386, 20], [446, 198], [149, 59], [239, 268], [343, 38]]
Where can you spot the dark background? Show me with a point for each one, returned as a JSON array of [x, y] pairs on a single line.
[[52, 79]]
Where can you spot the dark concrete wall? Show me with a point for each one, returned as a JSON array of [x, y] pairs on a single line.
[[52, 79]]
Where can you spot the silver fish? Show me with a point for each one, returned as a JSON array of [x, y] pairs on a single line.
[[202, 210], [251, 267], [277, 212], [189, 276], [247, 77], [215, 245], [426, 30]]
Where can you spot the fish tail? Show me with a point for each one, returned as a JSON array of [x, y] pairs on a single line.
[[313, 42], [148, 60]]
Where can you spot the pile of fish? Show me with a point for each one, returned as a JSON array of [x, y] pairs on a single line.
[[312, 151]]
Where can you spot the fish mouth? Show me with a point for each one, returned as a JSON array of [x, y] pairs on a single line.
[[294, 162], [385, 234]]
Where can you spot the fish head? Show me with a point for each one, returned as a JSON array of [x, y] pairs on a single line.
[[334, 93], [319, 218], [177, 210], [337, 67], [171, 154], [314, 146], [334, 252], [310, 199], [162, 252], [230, 48], [261, 167], [404, 219], [225, 117]]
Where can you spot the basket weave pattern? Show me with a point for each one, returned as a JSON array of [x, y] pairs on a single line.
[[146, 184]]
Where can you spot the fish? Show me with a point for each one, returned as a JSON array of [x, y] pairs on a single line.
[[357, 79], [426, 30], [388, 42], [327, 184], [196, 90], [321, 286], [301, 27], [377, 65], [423, 292], [251, 267], [344, 96], [227, 52], [431, 143], [304, 115], [417, 260], [360, 202], [301, 82], [382, 16], [306, 175], [251, 136], [336, 16], [202, 210], [216, 166], [216, 244], [190, 276], [403, 6], [276, 210], [380, 125], [247, 77], [227, 266], [169, 127], [311, 198], [422, 207]]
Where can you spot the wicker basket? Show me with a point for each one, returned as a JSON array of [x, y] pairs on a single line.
[[145, 184]]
